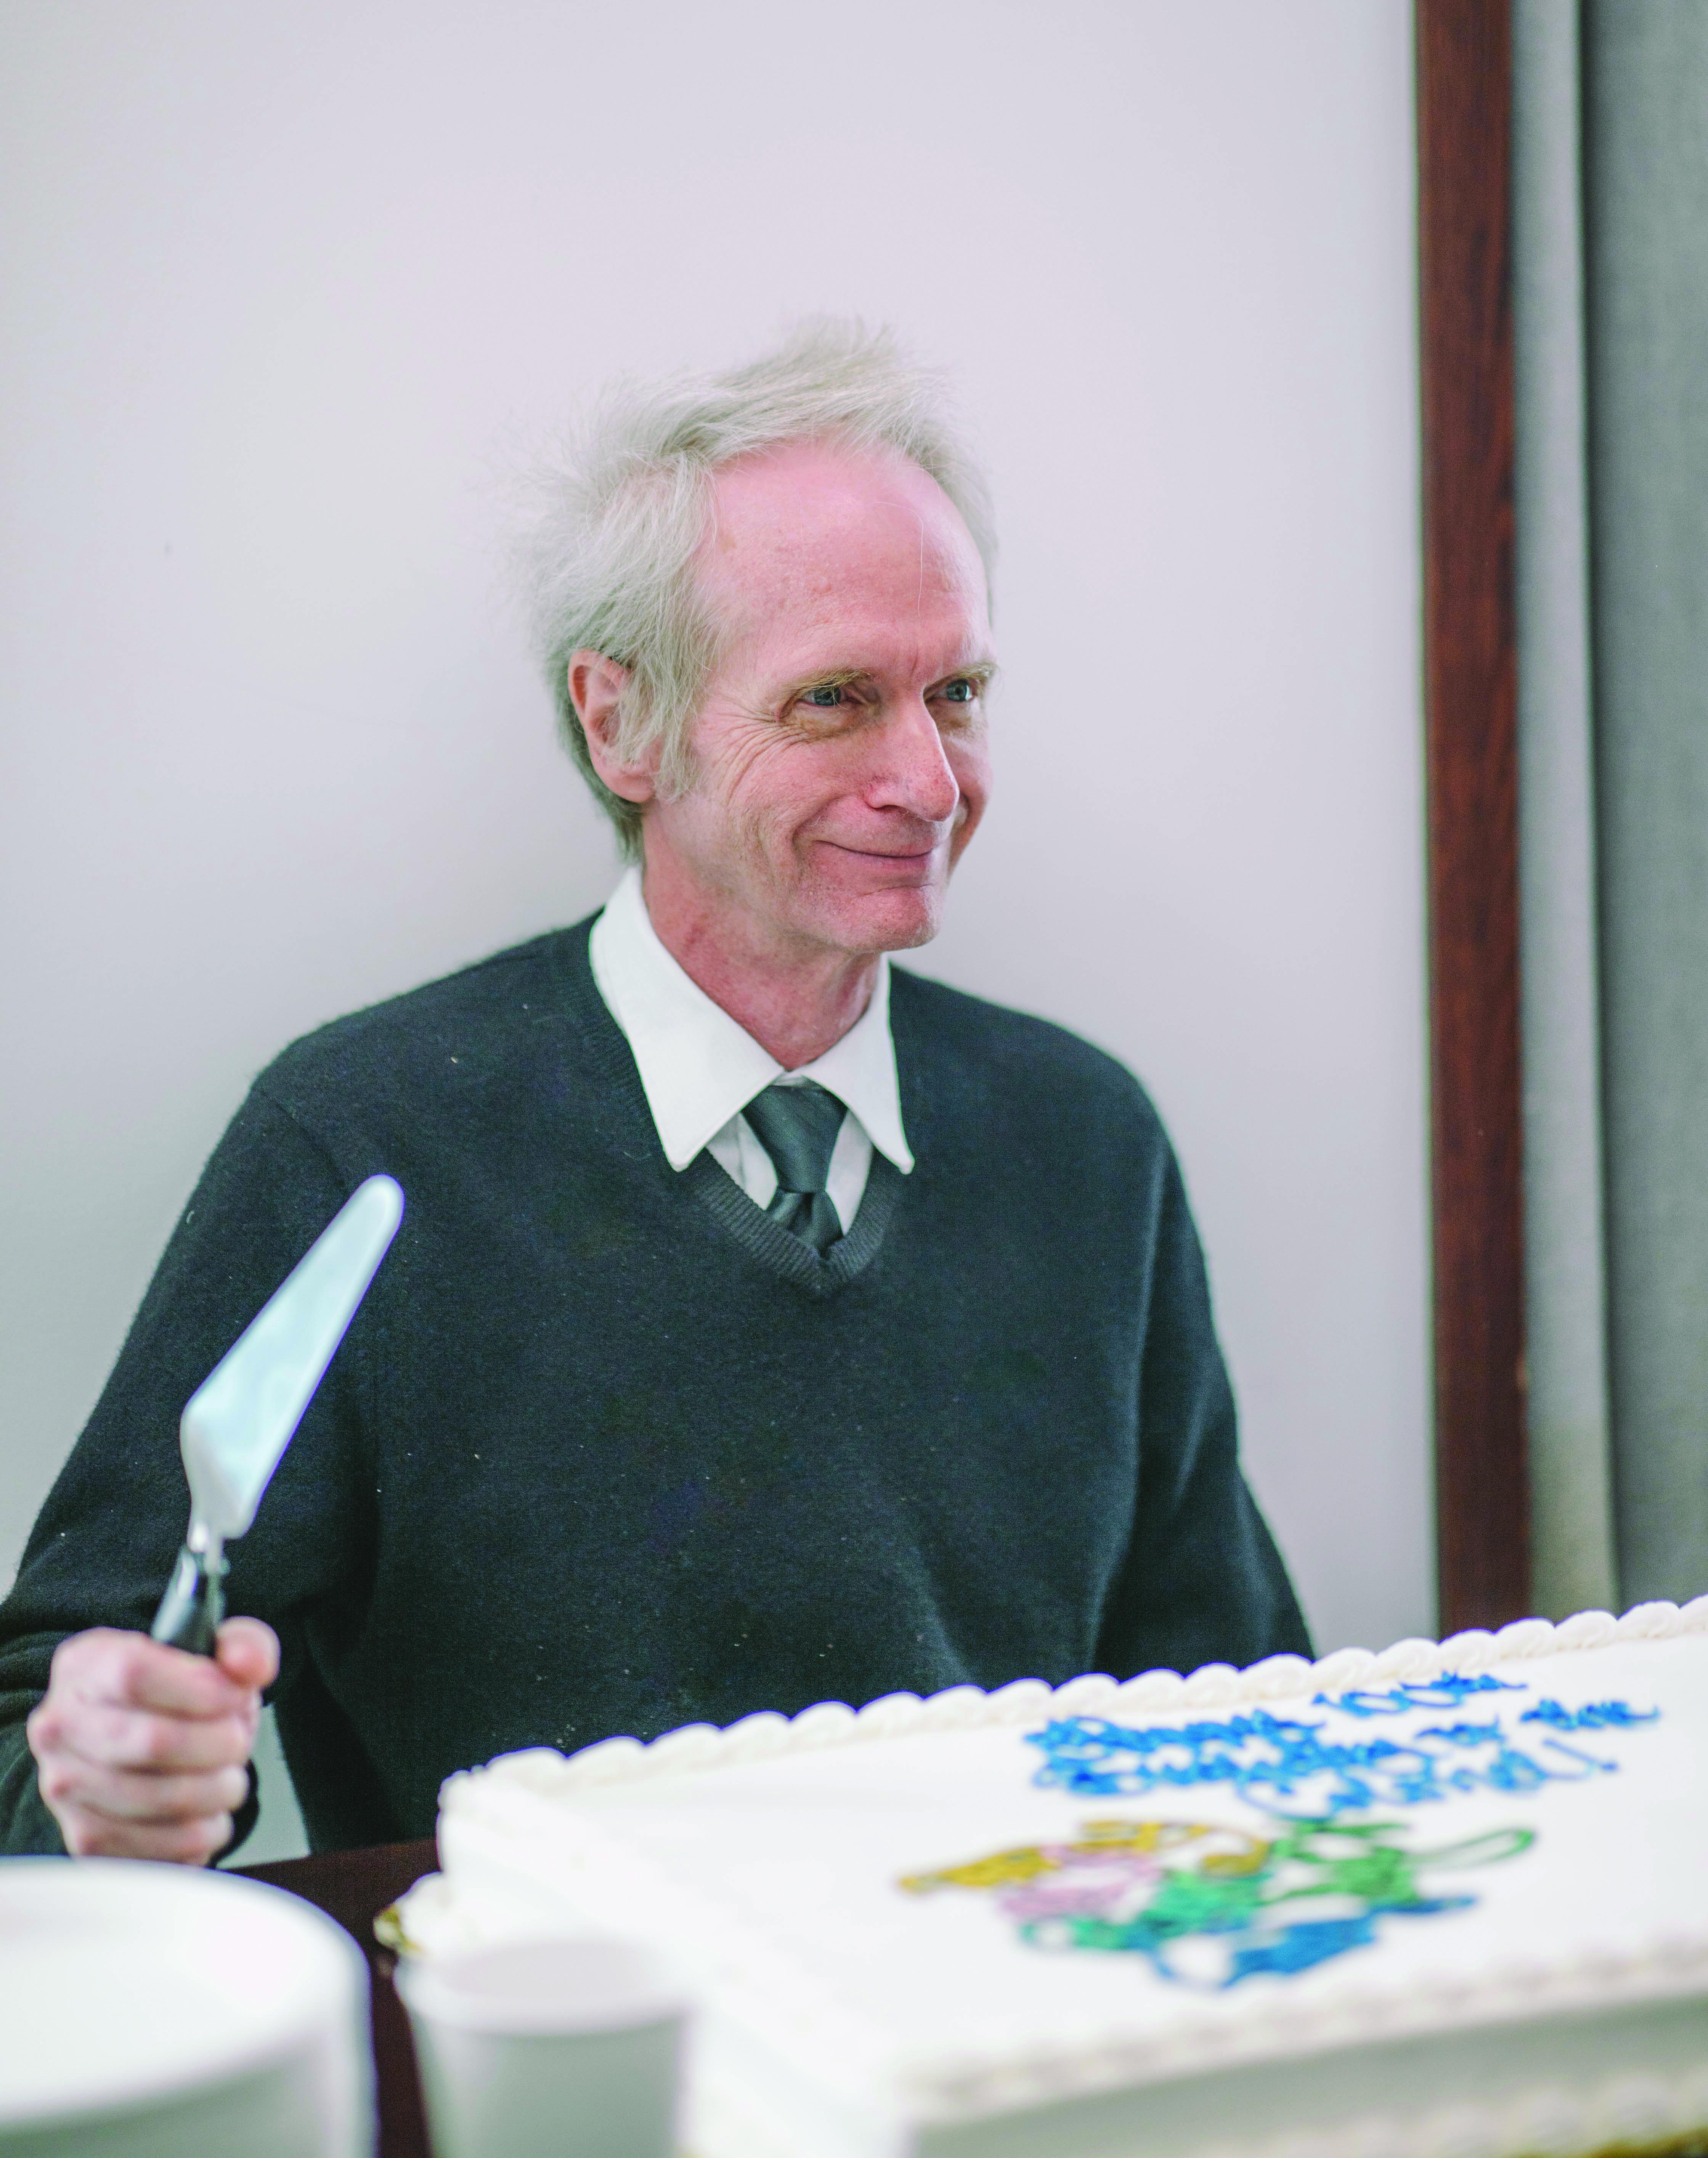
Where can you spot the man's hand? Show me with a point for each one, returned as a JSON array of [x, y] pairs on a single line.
[[142, 1751]]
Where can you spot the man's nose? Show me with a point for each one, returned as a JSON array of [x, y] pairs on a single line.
[[916, 774]]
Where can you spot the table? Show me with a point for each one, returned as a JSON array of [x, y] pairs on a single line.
[[353, 1886]]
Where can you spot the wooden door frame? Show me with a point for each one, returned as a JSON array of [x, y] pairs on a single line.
[[1464, 161]]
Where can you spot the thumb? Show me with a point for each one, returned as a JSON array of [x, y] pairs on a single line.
[[247, 1651]]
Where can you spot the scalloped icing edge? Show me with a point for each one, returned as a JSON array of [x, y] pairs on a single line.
[[1644, 2115], [1623, 2116], [767, 1733]]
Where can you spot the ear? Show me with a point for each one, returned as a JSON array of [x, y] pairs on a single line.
[[597, 687]]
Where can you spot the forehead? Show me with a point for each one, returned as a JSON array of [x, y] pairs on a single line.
[[813, 541]]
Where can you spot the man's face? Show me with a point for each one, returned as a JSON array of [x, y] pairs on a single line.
[[839, 751]]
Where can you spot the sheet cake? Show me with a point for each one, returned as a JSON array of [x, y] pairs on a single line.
[[1446, 1901]]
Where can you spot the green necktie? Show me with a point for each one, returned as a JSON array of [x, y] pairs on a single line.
[[798, 1128]]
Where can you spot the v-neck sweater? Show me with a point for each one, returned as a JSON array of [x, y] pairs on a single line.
[[607, 1450]]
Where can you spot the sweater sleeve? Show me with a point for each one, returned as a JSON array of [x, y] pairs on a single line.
[[102, 1550], [1203, 1581]]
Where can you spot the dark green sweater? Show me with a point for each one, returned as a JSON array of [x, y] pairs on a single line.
[[607, 1450]]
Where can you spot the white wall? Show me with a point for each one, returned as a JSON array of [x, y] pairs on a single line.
[[279, 282]]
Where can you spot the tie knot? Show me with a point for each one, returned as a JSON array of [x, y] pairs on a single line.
[[797, 1127]]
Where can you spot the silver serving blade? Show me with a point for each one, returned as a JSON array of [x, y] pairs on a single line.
[[240, 1419], [237, 1424]]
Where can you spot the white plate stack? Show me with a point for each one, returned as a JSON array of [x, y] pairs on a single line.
[[154, 2011]]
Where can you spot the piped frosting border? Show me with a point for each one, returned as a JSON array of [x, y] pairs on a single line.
[[696, 1747]]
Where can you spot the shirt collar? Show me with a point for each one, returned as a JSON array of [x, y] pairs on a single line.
[[700, 1068]]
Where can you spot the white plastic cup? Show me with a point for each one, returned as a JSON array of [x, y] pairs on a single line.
[[567, 2048]]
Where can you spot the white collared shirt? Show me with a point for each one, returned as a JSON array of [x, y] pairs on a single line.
[[700, 1069]]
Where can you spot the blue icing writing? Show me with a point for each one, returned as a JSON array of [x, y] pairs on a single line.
[[1593, 1715], [1285, 1765], [1449, 1691], [1506, 1769]]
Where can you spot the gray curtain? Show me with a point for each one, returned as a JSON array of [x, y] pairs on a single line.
[[1610, 315]]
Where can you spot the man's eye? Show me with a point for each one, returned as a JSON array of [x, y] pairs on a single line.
[[960, 691], [826, 696]]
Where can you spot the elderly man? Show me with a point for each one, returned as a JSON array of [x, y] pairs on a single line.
[[766, 1325]]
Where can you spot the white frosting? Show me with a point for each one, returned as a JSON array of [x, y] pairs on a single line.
[[870, 2021]]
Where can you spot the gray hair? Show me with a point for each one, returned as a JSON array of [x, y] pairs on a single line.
[[615, 518]]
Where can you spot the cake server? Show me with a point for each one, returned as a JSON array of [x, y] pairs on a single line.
[[238, 1422]]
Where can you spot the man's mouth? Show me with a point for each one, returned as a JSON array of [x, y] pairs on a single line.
[[880, 870], [925, 851]]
